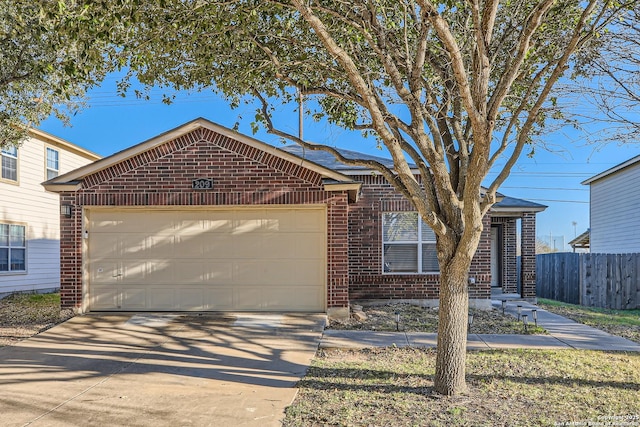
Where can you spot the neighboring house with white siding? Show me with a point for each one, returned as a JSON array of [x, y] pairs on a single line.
[[615, 209], [30, 215]]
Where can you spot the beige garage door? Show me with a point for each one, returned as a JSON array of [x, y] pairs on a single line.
[[216, 260]]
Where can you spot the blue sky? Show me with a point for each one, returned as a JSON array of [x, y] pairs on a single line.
[[112, 123]]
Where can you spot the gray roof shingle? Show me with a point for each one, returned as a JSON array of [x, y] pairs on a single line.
[[327, 160]]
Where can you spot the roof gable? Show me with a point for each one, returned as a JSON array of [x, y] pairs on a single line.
[[180, 137], [63, 144], [631, 162]]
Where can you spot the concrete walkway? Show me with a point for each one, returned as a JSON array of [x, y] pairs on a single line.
[[562, 334]]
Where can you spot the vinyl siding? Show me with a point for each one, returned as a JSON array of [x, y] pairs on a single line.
[[615, 212], [27, 203]]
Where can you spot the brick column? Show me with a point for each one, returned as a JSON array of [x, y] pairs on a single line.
[[338, 257], [528, 255], [481, 264], [71, 254], [509, 256]]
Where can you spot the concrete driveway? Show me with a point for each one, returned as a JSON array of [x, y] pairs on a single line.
[[158, 370]]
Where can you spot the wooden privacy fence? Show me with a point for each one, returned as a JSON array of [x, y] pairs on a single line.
[[593, 280], [558, 277]]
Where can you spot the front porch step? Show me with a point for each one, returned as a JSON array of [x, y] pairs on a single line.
[[497, 295]]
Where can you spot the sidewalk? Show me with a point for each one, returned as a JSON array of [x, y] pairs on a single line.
[[562, 334]]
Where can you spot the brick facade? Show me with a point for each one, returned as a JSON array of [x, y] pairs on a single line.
[[366, 277], [242, 175], [509, 254]]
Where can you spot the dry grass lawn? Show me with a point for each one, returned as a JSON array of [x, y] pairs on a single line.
[[420, 319], [393, 387], [624, 323], [24, 315]]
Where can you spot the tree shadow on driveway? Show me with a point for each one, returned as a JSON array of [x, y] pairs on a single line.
[[185, 358]]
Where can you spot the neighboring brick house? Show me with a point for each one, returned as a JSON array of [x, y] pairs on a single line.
[[204, 218], [29, 215]]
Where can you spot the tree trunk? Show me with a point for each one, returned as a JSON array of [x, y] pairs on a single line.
[[452, 329]]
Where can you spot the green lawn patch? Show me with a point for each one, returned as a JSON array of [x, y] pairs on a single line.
[[393, 387], [624, 323]]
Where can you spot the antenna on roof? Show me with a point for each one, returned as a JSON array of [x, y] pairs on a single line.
[[300, 114]]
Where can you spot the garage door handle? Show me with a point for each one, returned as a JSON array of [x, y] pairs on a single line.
[[117, 275]]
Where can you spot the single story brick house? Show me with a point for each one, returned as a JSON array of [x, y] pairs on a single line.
[[203, 218]]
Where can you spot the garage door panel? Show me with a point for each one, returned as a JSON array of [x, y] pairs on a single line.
[[132, 244], [279, 221], [246, 246], [227, 259], [309, 246], [248, 298], [247, 222], [281, 272], [105, 298], [307, 272], [162, 271], [217, 245], [190, 273], [162, 298], [160, 223], [105, 246], [219, 298], [248, 272], [191, 299], [279, 245], [190, 246], [219, 272], [157, 246], [306, 298], [134, 298], [187, 223], [104, 272], [134, 271], [206, 245], [310, 220], [131, 222], [220, 222]]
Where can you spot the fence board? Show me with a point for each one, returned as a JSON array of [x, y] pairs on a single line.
[[596, 280], [557, 277]]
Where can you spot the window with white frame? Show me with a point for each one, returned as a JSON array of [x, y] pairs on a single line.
[[10, 163], [409, 245], [52, 163], [13, 248]]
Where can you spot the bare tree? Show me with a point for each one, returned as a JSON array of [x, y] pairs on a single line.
[[452, 87]]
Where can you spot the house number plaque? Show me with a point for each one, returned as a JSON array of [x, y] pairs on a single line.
[[202, 184]]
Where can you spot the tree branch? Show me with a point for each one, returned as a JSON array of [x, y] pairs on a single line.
[[559, 68], [513, 67]]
